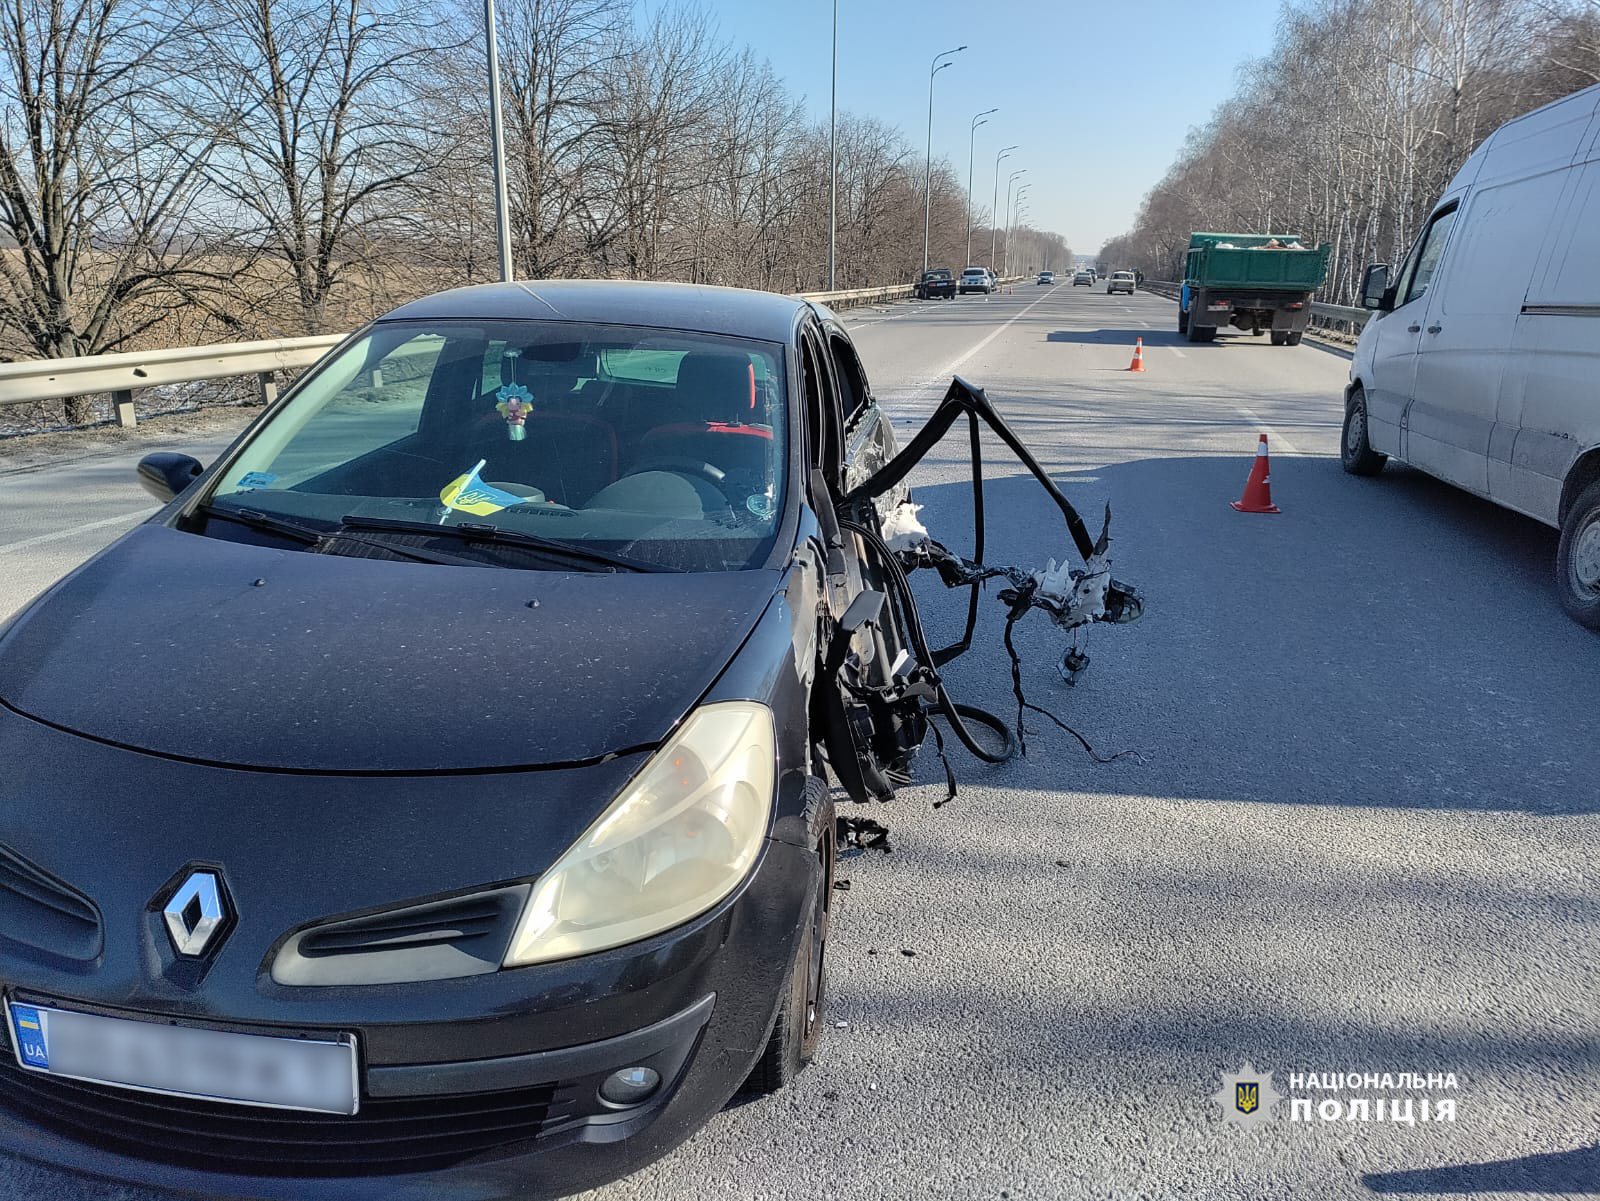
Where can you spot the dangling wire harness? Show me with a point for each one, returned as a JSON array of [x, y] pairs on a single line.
[[1072, 597]]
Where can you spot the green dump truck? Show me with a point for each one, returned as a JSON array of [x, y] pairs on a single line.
[[1252, 282]]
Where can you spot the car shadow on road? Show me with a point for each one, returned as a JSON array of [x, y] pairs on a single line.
[[1118, 336], [1571, 1173]]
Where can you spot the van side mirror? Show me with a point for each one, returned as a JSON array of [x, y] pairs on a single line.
[[1375, 288], [164, 474]]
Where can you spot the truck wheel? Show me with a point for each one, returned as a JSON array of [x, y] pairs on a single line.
[[1294, 337], [1355, 452], [798, 1027], [1578, 559], [1183, 322], [1280, 337]]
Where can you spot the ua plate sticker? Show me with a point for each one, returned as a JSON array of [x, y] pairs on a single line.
[[27, 1029]]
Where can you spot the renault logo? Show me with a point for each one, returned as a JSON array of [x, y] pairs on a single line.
[[195, 913]]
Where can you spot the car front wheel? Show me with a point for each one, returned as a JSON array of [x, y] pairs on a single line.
[[1578, 559], [798, 1028], [1355, 450]]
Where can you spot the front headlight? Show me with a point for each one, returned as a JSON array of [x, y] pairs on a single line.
[[681, 836]]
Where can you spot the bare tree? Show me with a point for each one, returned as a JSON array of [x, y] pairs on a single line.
[[320, 151], [98, 176]]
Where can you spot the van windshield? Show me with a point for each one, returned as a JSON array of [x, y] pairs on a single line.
[[659, 446]]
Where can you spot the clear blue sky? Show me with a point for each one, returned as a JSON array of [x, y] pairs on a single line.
[[1098, 95]]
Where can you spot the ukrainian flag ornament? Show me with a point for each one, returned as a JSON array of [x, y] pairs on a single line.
[[468, 494]]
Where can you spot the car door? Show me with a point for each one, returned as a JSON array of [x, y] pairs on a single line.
[[1550, 394], [1454, 429], [869, 440], [1397, 334]]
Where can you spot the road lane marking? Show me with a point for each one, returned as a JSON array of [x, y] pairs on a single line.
[[1177, 352], [1272, 435], [41, 539], [952, 367]]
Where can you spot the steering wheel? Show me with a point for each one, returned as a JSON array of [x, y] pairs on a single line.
[[708, 472]]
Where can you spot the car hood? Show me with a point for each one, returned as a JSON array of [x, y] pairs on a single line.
[[225, 653]]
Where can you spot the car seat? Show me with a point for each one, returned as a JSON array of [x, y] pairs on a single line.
[[719, 413]]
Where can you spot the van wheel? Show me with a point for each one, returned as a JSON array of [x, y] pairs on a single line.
[[798, 1027], [1578, 559], [1355, 451]]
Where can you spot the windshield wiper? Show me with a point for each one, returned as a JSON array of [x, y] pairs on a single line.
[[312, 537], [494, 535], [257, 520]]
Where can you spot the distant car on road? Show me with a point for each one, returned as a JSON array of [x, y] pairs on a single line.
[[1083, 279], [939, 283], [1047, 277], [976, 279], [1120, 281], [1477, 364]]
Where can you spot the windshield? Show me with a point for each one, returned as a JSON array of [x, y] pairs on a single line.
[[662, 446]]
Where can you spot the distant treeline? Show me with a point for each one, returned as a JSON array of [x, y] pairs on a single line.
[[174, 173], [1349, 130]]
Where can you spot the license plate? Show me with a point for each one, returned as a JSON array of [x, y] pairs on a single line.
[[188, 1061], [1217, 308]]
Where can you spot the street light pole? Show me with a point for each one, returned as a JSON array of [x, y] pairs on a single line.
[[994, 206], [972, 142], [502, 206], [1009, 181], [1011, 226], [927, 172], [833, 158]]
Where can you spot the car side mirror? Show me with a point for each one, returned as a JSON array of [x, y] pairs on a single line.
[[164, 474], [1375, 292]]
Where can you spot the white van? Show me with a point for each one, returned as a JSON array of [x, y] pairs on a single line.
[[1481, 363]]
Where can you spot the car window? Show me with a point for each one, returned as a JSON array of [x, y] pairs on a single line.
[[852, 380], [1425, 259], [660, 445], [379, 402], [821, 408]]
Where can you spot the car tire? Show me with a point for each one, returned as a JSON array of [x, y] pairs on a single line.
[[798, 1026], [1183, 322], [1280, 337], [1578, 559], [1294, 337], [1356, 455]]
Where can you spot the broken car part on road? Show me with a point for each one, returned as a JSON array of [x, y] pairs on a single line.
[[878, 714]]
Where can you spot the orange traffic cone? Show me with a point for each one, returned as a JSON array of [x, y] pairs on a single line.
[[1257, 496], [1138, 356]]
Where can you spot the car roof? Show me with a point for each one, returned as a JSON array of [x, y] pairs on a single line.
[[739, 312]]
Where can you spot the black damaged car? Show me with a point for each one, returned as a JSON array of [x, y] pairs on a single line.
[[429, 800], [426, 795]]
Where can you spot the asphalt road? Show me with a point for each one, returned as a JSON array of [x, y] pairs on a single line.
[[1359, 835]]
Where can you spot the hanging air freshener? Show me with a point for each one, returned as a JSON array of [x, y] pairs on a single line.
[[516, 402]]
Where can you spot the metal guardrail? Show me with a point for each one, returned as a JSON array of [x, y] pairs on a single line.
[[853, 296], [122, 374]]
